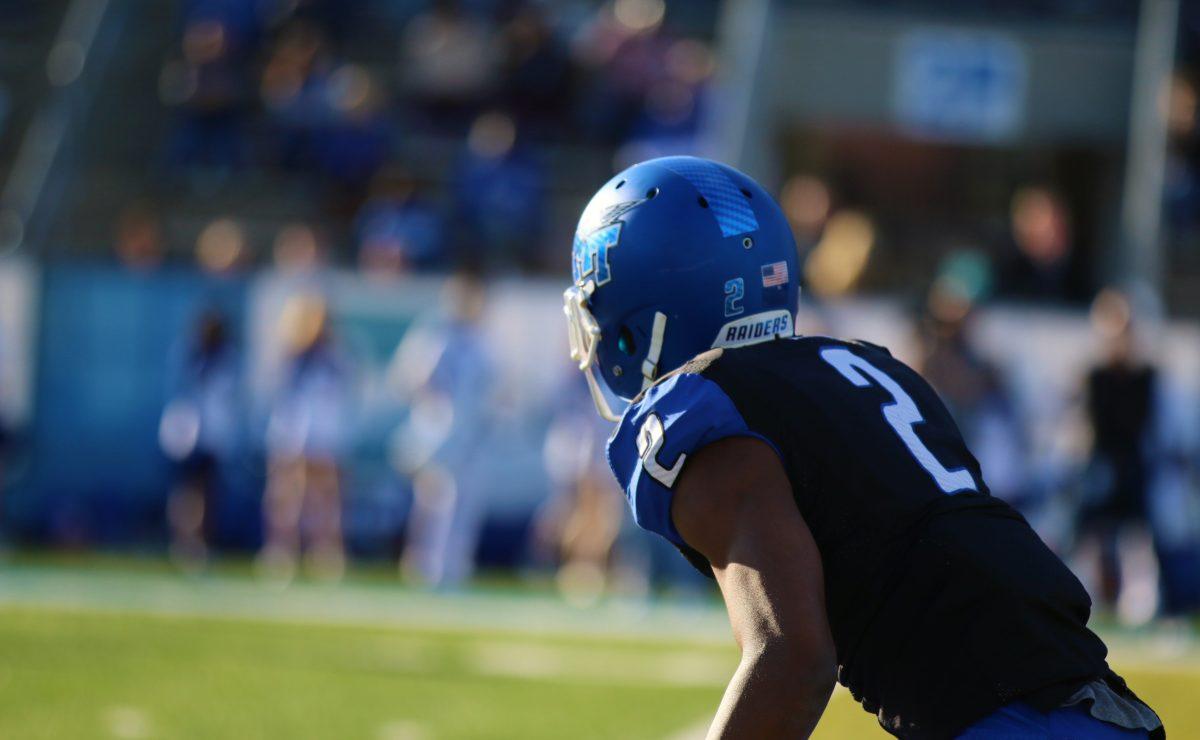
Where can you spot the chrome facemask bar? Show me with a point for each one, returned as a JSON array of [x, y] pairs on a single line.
[[583, 331]]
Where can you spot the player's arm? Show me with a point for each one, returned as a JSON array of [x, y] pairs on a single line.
[[733, 504]]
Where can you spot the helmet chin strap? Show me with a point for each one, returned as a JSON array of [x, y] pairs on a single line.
[[650, 365], [598, 398]]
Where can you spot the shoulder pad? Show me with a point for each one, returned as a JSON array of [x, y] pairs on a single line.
[[696, 366], [673, 419]]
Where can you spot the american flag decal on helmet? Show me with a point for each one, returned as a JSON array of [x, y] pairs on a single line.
[[774, 274]]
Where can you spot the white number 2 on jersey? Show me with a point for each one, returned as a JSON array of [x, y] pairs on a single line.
[[650, 440], [903, 414]]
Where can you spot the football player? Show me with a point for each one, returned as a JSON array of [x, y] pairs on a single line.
[[821, 482]]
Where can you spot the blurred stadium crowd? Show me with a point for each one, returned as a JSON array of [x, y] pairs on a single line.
[[427, 133], [303, 300]]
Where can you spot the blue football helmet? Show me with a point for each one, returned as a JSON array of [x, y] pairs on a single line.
[[672, 257]]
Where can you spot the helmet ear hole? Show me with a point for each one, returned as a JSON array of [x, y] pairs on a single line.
[[625, 341]]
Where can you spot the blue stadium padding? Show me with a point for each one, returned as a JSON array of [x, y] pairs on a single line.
[[104, 340]]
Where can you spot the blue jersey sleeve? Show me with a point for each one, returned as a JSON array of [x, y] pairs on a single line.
[[673, 420]]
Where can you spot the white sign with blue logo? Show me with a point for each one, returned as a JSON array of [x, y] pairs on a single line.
[[962, 85]]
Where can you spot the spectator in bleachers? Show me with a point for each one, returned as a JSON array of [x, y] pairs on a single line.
[[221, 247], [499, 194], [138, 240], [807, 202], [199, 433], [449, 64], [622, 52], [243, 21], [1121, 395], [208, 88], [298, 249], [1040, 262], [536, 73], [293, 90], [398, 229], [336, 18], [671, 116], [1182, 187], [354, 137], [443, 371], [308, 433]]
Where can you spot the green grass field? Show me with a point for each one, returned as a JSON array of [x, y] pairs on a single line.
[[90, 653]]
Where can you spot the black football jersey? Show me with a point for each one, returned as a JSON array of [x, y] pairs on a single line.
[[943, 603]]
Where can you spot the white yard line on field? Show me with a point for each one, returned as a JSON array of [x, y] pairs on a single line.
[[402, 729], [127, 722], [597, 665]]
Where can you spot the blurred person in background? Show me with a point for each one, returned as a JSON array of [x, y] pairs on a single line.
[[1120, 399], [335, 18], [307, 435], [398, 228], [536, 72], [1174, 505], [499, 189], [621, 52], [448, 62], [221, 247], [1040, 261], [299, 249], [137, 237], [354, 139], [577, 527], [807, 202], [208, 89], [5, 433], [199, 433], [837, 263], [674, 107], [1182, 187], [294, 90], [972, 388], [243, 22], [443, 370]]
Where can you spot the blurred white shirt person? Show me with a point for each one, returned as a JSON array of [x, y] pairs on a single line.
[[443, 370]]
